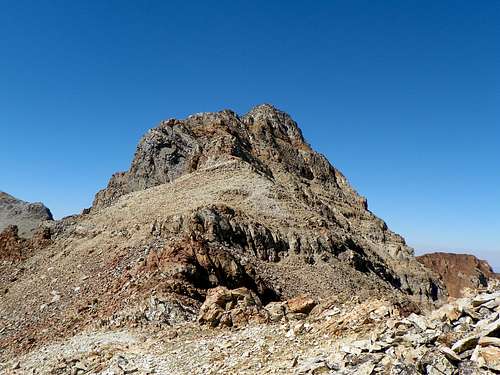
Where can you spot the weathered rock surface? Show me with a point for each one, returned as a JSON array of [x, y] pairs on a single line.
[[306, 206], [459, 271], [15, 248], [26, 216], [230, 308]]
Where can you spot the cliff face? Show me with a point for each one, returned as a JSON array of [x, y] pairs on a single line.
[[212, 200], [26, 216], [459, 271]]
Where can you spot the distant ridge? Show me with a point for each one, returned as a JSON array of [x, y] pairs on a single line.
[[26, 216], [459, 271]]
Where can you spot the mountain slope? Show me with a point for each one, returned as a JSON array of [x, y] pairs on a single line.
[[215, 199], [313, 209]]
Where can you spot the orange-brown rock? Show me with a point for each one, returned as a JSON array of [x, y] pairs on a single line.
[[458, 271], [14, 248], [301, 304], [11, 245]]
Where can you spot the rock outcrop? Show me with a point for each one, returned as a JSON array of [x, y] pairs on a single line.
[[26, 216], [11, 245], [15, 248], [459, 271]]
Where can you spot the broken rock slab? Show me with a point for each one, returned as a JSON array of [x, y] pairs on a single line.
[[302, 304]]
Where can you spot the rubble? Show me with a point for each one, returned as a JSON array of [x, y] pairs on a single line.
[[236, 334]]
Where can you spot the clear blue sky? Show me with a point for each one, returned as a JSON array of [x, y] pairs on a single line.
[[402, 96]]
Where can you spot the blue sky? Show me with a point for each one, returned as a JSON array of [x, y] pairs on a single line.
[[402, 96]]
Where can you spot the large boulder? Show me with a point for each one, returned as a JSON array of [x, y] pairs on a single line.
[[225, 307]]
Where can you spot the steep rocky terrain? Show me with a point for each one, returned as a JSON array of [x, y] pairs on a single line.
[[212, 201], [276, 198], [26, 216], [459, 271]]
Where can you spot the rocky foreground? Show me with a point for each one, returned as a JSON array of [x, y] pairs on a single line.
[[299, 336]]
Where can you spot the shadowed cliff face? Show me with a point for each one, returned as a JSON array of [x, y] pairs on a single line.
[[325, 217], [459, 271]]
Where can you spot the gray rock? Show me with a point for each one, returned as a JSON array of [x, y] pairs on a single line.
[[466, 343], [418, 321], [483, 298], [439, 365], [276, 310], [493, 304], [492, 329], [313, 365], [450, 354], [26, 216]]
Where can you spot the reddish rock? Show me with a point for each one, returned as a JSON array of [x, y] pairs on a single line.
[[459, 271], [15, 248], [11, 245], [301, 304]]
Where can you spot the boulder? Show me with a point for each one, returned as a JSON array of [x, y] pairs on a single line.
[[301, 304], [227, 307], [466, 343], [276, 310]]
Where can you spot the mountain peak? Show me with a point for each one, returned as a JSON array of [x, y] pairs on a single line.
[[214, 207], [269, 143]]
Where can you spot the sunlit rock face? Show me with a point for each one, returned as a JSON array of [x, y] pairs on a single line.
[[459, 271]]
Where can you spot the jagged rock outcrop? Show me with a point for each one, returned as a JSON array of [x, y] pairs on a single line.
[[11, 245], [459, 271], [26, 216]]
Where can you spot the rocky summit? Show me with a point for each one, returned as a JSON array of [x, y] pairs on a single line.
[[230, 247], [249, 203]]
